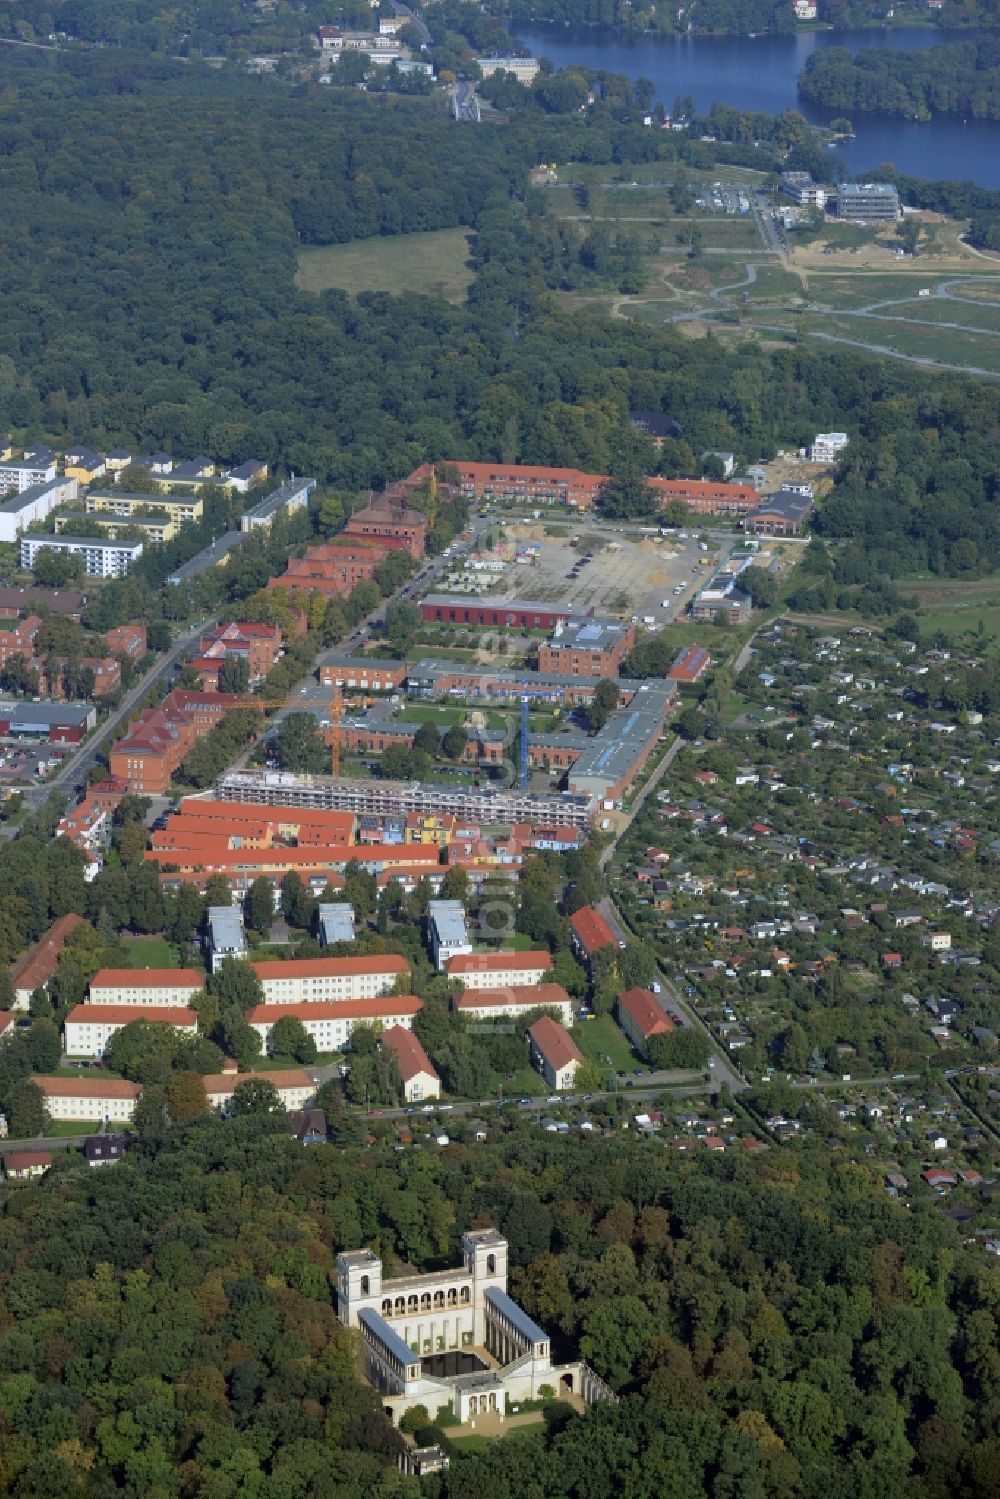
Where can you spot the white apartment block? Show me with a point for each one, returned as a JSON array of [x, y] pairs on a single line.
[[315, 980], [88, 1028], [452, 1338], [524, 69], [101, 558], [449, 935], [145, 986], [330, 1022], [493, 970], [23, 507], [85, 1098], [826, 446], [495, 1004], [293, 1086], [19, 474]]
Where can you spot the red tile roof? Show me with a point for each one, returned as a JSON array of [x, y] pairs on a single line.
[[498, 962], [528, 996], [147, 978], [125, 1014], [647, 1015], [311, 968], [338, 1009], [555, 1043], [38, 965], [228, 1082], [409, 1053], [86, 1087], [592, 930], [21, 1160]]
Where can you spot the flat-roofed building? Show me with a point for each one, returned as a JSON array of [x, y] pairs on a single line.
[[156, 987], [88, 1028], [554, 1053], [447, 930], [314, 980], [336, 922], [226, 935], [287, 497], [101, 558], [23, 507], [182, 509], [868, 202], [587, 648]]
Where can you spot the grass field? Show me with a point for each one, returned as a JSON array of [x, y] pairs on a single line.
[[63, 1128], [600, 1038], [150, 952], [433, 264], [937, 310], [958, 608]]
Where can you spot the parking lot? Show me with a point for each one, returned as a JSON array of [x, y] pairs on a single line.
[[610, 574]]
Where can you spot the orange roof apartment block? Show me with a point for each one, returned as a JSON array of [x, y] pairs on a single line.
[[37, 966], [314, 980], [640, 1016], [511, 999], [330, 1023], [415, 1069], [554, 1052], [490, 970], [590, 932], [88, 1097], [145, 986]]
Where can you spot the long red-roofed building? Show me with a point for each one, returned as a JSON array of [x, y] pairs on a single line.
[[514, 999], [89, 1028], [416, 1071], [640, 1017], [315, 980], [590, 932], [330, 1023], [489, 970], [689, 664]]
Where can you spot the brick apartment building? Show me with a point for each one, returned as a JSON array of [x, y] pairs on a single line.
[[392, 524], [256, 644], [127, 640], [152, 750], [587, 648], [521, 614], [332, 568], [705, 497], [689, 665], [509, 482], [17, 638]]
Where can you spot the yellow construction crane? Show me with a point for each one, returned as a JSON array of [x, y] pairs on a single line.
[[336, 704]]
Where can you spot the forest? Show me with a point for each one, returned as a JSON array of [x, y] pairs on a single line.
[[960, 78], [153, 216], [774, 1326]]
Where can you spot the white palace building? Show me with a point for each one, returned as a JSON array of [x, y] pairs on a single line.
[[453, 1338]]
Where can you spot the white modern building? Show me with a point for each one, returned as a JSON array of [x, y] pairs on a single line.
[[287, 497], [336, 922], [101, 558], [449, 935], [331, 1023], [524, 69], [19, 474], [89, 1028], [827, 446], [314, 980], [23, 508], [452, 1339], [226, 935]]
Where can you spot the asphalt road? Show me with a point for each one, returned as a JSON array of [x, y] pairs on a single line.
[[73, 771]]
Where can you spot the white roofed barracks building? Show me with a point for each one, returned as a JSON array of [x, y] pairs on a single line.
[[452, 1338]]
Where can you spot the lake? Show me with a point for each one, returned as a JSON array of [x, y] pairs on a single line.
[[760, 74]]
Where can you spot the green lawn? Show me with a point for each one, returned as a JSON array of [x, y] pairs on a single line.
[[150, 952], [64, 1127], [600, 1038], [434, 264]]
